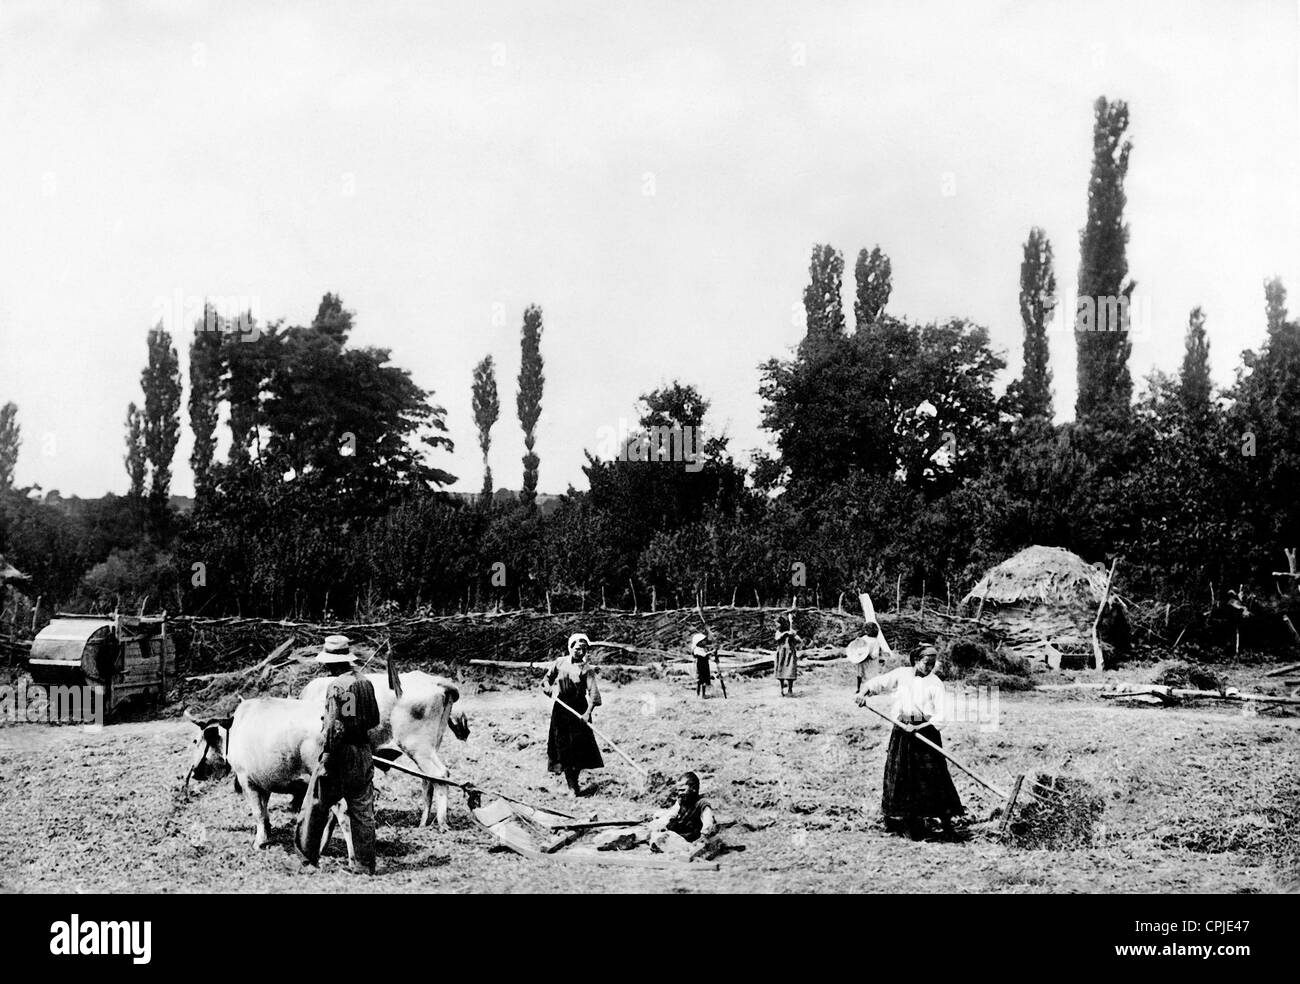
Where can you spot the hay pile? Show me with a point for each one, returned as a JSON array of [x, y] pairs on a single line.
[[1048, 575], [971, 661], [1047, 594], [1183, 675], [1063, 815]]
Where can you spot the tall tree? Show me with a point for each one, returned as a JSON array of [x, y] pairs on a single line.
[[342, 418], [822, 304], [248, 356], [161, 382], [529, 400], [1037, 303], [1101, 329], [914, 401], [874, 280], [136, 459], [1265, 418], [1194, 378], [10, 440], [205, 398], [333, 319], [639, 493], [487, 408], [1275, 305]]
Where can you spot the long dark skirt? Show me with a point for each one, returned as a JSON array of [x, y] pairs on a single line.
[[703, 677], [917, 783], [571, 744]]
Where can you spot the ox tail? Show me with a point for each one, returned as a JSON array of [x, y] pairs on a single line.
[[238, 787]]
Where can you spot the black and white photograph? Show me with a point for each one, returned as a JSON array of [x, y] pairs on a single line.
[[731, 448]]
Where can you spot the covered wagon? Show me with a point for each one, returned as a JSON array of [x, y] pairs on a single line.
[[125, 657]]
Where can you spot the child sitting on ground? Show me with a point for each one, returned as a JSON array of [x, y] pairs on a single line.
[[686, 829]]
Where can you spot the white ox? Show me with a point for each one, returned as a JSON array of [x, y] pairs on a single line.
[[416, 725], [271, 744]]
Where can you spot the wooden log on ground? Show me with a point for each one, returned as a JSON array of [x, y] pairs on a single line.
[[1283, 670], [527, 665], [1238, 698]]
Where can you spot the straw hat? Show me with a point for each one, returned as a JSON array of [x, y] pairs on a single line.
[[696, 639], [862, 648], [337, 649], [576, 638]]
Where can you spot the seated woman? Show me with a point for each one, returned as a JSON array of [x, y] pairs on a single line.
[[687, 827], [687, 823], [917, 783]]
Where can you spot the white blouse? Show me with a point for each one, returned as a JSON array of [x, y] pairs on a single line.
[[916, 698]]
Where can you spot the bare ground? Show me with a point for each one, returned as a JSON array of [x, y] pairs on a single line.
[[1196, 800]]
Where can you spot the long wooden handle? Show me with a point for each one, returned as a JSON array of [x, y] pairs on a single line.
[[383, 763], [920, 737], [598, 733]]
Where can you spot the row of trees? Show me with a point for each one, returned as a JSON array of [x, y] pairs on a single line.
[[895, 459]]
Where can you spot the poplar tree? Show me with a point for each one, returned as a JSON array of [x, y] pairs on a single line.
[[1037, 303], [487, 408], [873, 275], [1101, 338], [1194, 377], [528, 403]]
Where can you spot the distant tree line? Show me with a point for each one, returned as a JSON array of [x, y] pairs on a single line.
[[895, 463]]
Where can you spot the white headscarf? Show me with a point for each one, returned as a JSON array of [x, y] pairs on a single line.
[[574, 670]]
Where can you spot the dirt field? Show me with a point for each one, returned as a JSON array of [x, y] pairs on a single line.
[[1197, 800]]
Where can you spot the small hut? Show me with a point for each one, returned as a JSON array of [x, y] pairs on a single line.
[[1042, 595]]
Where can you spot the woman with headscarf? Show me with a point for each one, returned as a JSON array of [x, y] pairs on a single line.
[[787, 654], [571, 745], [917, 783]]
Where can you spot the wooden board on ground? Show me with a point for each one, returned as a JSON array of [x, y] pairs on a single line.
[[505, 822]]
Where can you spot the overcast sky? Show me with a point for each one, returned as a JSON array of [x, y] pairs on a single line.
[[652, 174]]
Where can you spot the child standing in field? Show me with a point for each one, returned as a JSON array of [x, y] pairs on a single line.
[[866, 654], [703, 676], [787, 654]]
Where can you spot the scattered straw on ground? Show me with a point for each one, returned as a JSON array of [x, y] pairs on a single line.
[[1062, 815]]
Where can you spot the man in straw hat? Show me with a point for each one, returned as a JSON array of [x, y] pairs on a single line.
[[571, 745], [346, 769], [917, 783]]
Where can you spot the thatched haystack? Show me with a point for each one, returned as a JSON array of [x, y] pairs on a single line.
[[1042, 594]]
